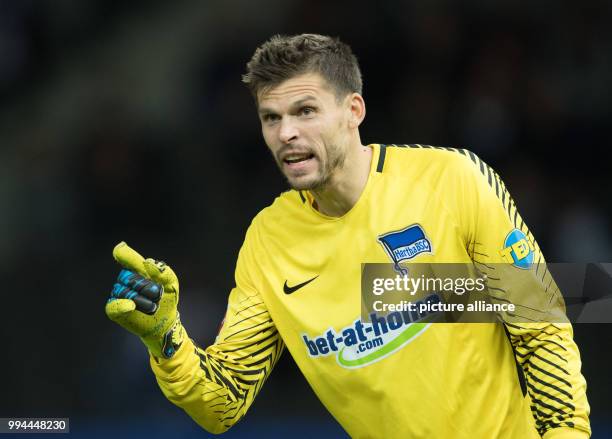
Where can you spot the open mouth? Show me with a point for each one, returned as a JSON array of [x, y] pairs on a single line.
[[297, 158]]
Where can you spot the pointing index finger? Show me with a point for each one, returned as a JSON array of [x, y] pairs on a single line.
[[129, 258]]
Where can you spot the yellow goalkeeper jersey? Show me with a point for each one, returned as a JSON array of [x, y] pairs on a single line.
[[298, 284]]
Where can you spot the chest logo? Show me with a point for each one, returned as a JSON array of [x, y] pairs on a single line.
[[362, 343], [289, 290], [405, 244]]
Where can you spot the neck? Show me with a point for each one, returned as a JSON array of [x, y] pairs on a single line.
[[346, 185]]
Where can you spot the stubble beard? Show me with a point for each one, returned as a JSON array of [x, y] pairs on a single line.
[[335, 159]]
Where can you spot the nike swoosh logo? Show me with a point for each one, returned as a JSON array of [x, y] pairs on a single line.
[[289, 290]]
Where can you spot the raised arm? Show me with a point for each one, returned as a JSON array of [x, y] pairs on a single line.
[[216, 385]]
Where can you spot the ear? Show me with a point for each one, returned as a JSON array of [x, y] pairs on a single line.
[[356, 106]]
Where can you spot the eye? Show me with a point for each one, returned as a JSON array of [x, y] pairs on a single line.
[[269, 117], [307, 111]]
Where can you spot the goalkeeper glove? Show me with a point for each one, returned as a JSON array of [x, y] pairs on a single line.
[[144, 301]]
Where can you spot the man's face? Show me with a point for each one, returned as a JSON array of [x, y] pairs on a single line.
[[306, 129]]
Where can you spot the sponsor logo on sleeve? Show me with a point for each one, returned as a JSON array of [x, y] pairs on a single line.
[[518, 250]]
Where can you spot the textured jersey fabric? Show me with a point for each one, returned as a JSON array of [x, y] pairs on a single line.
[[298, 286]]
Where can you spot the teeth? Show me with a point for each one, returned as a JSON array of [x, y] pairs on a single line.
[[296, 158]]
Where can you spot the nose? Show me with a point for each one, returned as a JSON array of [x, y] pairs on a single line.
[[288, 131]]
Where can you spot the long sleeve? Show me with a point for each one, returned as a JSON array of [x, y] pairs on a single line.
[[501, 245], [217, 385]]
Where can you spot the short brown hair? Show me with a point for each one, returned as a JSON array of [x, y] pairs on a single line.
[[283, 57]]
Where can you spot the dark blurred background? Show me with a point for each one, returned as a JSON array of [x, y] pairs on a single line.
[[111, 109]]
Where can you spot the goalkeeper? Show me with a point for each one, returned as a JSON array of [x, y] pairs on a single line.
[[298, 280]]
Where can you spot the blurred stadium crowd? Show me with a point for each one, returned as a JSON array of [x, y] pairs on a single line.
[[128, 121]]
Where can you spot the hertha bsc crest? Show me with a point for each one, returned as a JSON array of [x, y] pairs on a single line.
[[405, 244]]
